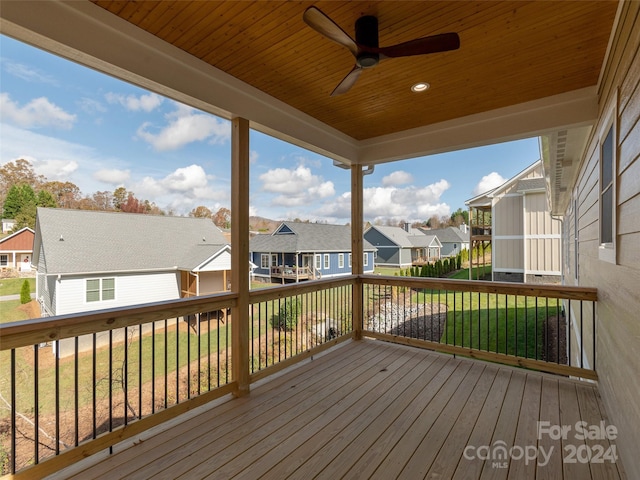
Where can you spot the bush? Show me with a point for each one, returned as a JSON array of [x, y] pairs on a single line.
[[25, 292], [287, 317]]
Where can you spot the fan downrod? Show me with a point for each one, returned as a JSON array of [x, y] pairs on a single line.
[[367, 35]]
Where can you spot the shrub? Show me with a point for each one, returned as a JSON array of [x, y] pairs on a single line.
[[287, 316], [25, 292]]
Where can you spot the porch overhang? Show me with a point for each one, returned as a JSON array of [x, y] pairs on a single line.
[[85, 33]]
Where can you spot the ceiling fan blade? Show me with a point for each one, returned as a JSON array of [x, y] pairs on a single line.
[[327, 27], [420, 46], [347, 82]]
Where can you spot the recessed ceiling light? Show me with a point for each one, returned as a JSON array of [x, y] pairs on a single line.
[[420, 87]]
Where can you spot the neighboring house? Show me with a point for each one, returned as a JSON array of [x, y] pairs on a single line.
[[515, 218], [403, 246], [16, 251], [88, 260], [305, 251], [7, 225], [453, 239]]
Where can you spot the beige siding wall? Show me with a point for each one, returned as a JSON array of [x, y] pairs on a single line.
[[507, 216], [542, 236], [508, 255], [618, 317]]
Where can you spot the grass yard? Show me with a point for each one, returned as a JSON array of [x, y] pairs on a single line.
[[12, 286]]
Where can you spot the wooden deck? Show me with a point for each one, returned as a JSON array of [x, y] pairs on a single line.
[[370, 409]]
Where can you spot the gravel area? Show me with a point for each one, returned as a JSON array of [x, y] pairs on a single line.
[[425, 321]]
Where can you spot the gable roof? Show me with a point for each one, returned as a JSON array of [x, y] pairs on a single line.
[[292, 237], [448, 234], [84, 241], [404, 239], [484, 199], [22, 240]]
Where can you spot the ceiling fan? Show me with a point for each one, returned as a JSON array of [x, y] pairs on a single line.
[[365, 47]]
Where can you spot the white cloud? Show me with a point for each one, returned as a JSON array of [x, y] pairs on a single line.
[[26, 72], [397, 178], [297, 186], [182, 189], [186, 125], [39, 112], [145, 102], [55, 169], [391, 203], [489, 182], [112, 176], [91, 106]]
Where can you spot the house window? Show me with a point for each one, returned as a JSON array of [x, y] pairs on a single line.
[[274, 260], [264, 260], [4, 260], [100, 289], [341, 260], [365, 259], [326, 261], [318, 262], [349, 260], [606, 191]]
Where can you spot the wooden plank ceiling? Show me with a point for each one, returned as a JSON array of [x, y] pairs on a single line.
[[511, 52]]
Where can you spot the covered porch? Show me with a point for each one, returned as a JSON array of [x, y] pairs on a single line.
[[334, 376], [371, 409]]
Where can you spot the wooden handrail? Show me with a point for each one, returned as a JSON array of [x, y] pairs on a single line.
[[507, 288], [33, 332]]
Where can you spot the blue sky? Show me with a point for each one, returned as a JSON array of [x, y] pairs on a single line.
[[75, 124]]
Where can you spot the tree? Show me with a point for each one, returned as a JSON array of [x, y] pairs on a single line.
[[200, 212], [103, 201], [459, 217], [18, 172], [25, 292], [222, 218], [66, 194], [46, 199], [287, 316], [132, 205], [434, 222], [17, 197], [120, 195]]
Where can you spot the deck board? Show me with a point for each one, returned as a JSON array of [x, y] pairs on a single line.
[[370, 409]]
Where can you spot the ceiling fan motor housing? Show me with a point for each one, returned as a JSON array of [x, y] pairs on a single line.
[[367, 35]]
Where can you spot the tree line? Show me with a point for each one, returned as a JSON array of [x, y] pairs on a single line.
[[22, 190]]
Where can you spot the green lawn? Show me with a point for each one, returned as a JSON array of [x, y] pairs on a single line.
[[12, 286], [9, 312]]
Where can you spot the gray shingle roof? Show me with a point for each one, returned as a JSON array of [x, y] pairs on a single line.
[[529, 184], [448, 235], [80, 241], [402, 238], [307, 237]]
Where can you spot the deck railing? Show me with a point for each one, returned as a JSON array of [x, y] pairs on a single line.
[[74, 385], [516, 324]]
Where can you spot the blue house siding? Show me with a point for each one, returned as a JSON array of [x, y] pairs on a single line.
[[333, 269]]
